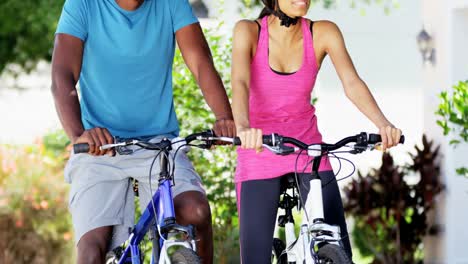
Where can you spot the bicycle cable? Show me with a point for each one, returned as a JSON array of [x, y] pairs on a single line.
[[339, 162], [175, 154], [297, 184], [172, 170], [151, 191], [345, 159], [300, 184], [174, 157]]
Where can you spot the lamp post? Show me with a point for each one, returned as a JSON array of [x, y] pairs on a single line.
[[426, 47]]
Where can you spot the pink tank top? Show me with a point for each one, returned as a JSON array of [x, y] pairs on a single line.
[[280, 104]]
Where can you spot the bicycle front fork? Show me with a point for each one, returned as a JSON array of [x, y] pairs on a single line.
[[298, 250], [313, 214]]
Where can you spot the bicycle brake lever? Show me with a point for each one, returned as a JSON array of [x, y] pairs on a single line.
[[270, 148], [281, 149], [377, 146], [114, 145]]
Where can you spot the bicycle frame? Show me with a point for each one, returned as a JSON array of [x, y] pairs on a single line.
[[159, 215], [165, 216], [313, 228]]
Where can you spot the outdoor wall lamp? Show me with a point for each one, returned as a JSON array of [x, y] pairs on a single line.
[[426, 47]]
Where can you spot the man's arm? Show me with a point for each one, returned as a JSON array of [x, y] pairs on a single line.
[[66, 67], [197, 56]]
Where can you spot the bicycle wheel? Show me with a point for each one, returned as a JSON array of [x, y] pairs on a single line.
[[277, 255], [184, 255], [329, 254]]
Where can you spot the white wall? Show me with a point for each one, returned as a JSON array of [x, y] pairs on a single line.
[[383, 49], [447, 21], [457, 195]]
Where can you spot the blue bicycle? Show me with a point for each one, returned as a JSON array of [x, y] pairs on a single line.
[[171, 243]]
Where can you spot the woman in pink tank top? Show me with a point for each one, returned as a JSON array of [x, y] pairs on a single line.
[[276, 60]]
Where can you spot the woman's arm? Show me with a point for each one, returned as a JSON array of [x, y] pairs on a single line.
[[245, 34], [355, 88]]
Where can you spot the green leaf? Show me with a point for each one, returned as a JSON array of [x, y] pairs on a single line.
[[462, 171], [453, 109]]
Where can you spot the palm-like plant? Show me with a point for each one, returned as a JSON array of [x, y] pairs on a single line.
[[390, 213]]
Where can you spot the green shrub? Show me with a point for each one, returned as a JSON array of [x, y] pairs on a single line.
[[216, 167], [27, 31], [453, 111], [391, 214], [35, 225]]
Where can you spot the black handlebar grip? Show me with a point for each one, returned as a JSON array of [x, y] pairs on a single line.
[[237, 141], [266, 140], [376, 138], [81, 148]]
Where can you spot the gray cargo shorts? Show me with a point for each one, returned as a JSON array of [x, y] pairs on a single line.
[[101, 192]]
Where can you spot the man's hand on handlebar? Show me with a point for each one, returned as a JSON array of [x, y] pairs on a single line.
[[224, 128], [97, 137]]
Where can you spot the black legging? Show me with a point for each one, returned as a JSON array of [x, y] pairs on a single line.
[[258, 201]]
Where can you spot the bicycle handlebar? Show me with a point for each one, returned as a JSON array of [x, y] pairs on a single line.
[[362, 140], [84, 147], [274, 139]]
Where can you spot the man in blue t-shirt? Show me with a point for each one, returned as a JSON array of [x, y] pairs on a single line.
[[121, 52]]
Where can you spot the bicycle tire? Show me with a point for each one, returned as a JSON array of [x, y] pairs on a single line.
[[277, 251], [185, 255], [331, 253]]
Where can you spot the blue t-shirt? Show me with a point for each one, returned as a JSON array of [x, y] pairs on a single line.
[[126, 75]]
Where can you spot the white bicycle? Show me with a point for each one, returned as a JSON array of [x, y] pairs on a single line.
[[317, 241]]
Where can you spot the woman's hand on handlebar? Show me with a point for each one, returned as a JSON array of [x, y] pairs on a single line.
[[390, 136], [96, 137], [251, 138]]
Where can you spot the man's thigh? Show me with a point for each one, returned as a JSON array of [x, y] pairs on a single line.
[[100, 196]]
